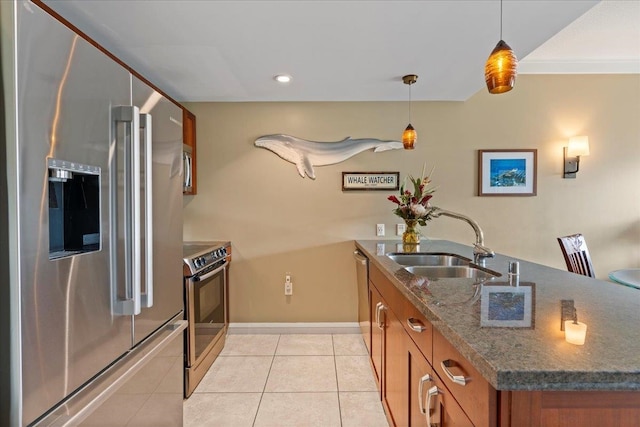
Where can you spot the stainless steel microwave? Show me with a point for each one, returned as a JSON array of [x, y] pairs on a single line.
[[187, 164]]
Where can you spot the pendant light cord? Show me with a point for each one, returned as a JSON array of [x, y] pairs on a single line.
[[500, 19], [409, 103]]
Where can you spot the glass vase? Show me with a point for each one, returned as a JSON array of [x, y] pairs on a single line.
[[411, 235]]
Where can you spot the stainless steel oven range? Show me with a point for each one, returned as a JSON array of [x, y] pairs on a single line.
[[206, 273]]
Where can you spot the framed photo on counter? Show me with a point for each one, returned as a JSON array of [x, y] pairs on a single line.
[[507, 172], [504, 306]]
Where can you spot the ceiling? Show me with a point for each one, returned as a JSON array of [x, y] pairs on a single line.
[[353, 50]]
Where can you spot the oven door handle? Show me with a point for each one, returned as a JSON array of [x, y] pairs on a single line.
[[210, 274]]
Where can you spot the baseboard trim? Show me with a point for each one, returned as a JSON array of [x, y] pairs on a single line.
[[295, 328]]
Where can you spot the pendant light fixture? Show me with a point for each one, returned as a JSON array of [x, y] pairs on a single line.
[[500, 69], [409, 136]]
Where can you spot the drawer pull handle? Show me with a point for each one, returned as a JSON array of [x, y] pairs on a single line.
[[423, 380], [433, 392], [379, 308], [415, 324], [458, 379]]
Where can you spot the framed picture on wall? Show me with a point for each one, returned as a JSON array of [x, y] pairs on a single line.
[[364, 181], [507, 172]]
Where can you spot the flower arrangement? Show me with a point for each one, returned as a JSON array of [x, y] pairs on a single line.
[[414, 206]]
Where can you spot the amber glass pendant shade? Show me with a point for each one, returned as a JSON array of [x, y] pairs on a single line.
[[409, 137], [500, 69]]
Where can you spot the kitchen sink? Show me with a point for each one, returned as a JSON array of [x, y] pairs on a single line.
[[454, 271], [429, 259], [440, 265]]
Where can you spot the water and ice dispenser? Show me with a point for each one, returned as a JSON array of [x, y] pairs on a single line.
[[74, 208]]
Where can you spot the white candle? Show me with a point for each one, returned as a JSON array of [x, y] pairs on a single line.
[[575, 333]]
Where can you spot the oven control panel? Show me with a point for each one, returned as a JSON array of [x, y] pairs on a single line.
[[210, 258], [201, 258]]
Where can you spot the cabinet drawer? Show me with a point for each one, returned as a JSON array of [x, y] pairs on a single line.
[[476, 397], [376, 277], [419, 329], [395, 300]]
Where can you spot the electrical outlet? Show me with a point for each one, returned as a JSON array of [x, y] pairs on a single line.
[[379, 230], [288, 285], [400, 229]]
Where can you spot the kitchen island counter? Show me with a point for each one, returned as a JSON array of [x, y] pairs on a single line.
[[534, 357]]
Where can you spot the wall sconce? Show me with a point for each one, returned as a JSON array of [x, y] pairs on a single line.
[[578, 146], [574, 332]]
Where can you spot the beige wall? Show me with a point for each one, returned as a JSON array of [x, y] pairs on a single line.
[[279, 222]]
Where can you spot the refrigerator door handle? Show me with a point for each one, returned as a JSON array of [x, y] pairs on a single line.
[[146, 124], [136, 203], [189, 167], [130, 304], [187, 170]]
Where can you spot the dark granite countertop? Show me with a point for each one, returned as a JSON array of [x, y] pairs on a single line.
[[535, 357]]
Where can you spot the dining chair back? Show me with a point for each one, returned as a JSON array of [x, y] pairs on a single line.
[[576, 254]]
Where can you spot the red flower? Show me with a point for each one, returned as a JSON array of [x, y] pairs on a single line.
[[425, 199], [394, 199], [413, 202]]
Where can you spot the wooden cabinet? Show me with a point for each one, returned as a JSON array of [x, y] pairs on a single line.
[[394, 395], [403, 346], [189, 139], [419, 329], [467, 385], [377, 332], [420, 377], [430, 402], [569, 408], [387, 357], [424, 379], [388, 347]]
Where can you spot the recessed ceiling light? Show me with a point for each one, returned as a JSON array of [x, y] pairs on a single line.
[[282, 78]]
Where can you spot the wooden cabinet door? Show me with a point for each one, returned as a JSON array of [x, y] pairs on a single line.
[[420, 377], [441, 409], [477, 397], [445, 411], [377, 334], [570, 408], [395, 390], [189, 138]]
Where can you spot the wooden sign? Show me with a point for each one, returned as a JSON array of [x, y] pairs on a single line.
[[359, 181]]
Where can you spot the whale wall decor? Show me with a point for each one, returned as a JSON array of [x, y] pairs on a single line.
[[307, 154]]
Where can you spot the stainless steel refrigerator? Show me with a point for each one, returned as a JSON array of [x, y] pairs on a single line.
[[90, 234]]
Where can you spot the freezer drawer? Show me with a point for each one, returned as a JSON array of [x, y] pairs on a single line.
[[143, 388]]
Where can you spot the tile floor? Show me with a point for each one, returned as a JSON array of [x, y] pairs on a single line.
[[288, 380]]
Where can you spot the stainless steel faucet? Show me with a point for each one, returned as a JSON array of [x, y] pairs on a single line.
[[480, 251]]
